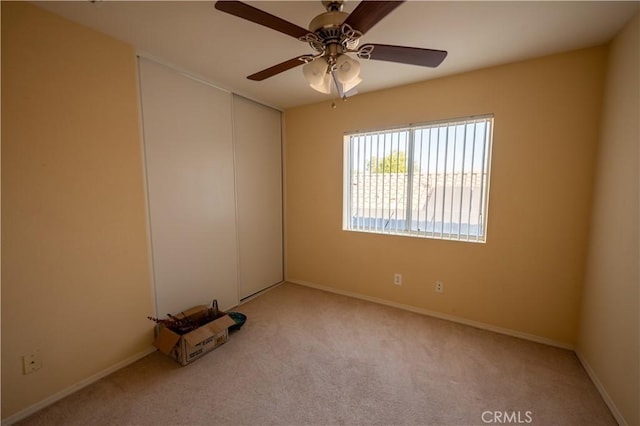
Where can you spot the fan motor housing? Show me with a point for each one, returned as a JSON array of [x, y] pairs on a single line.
[[328, 21]]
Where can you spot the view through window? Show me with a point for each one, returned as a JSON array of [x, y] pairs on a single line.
[[429, 180]]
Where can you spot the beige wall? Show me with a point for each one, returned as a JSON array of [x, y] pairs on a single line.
[[528, 275], [610, 325], [75, 265]]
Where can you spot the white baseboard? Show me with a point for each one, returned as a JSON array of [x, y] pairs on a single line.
[[260, 293], [603, 392], [75, 387], [439, 315]]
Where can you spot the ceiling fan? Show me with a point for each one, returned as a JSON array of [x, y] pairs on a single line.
[[333, 35]]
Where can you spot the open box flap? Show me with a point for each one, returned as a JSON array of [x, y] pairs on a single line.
[[208, 330], [221, 323], [166, 340]]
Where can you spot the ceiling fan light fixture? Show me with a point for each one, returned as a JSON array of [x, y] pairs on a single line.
[[348, 71], [323, 86], [347, 86], [315, 72]]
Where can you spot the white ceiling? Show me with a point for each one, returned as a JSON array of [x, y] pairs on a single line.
[[224, 49]]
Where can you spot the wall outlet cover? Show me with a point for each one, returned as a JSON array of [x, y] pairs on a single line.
[[31, 362]]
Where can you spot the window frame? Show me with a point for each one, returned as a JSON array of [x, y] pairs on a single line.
[[408, 227]]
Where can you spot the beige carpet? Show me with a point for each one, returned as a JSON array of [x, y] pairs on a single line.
[[307, 357]]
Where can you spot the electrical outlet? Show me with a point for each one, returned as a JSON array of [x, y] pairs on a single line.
[[31, 362], [439, 287], [397, 279]]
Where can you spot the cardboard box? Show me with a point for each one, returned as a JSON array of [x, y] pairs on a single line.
[[192, 345]]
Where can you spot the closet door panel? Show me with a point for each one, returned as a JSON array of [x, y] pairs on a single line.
[[190, 178], [258, 149]]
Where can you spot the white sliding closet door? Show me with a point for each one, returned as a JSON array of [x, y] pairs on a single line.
[[190, 177], [258, 148]]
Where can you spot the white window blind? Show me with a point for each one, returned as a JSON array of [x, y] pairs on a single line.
[[429, 180]]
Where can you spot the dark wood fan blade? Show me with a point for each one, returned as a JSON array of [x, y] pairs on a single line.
[[407, 55], [250, 13], [369, 13], [276, 69]]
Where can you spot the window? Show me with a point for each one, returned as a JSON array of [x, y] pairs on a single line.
[[429, 180]]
